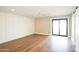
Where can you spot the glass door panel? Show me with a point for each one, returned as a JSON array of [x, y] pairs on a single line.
[[63, 27], [55, 27]]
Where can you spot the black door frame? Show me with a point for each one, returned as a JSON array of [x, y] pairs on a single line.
[[59, 28]]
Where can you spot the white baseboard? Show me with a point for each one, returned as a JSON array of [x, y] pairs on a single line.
[[42, 33]]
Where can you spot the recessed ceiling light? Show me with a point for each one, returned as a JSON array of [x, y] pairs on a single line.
[[12, 9]]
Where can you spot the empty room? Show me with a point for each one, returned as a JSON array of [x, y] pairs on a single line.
[[39, 29]]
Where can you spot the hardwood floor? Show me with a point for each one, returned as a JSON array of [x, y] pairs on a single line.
[[38, 43]]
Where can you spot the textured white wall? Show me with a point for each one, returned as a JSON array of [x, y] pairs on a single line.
[[14, 26]]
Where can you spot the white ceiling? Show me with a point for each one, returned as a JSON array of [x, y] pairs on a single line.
[[38, 11]]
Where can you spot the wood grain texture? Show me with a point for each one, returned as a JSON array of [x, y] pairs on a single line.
[[38, 43]]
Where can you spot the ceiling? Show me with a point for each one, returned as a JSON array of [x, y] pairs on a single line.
[[38, 11]]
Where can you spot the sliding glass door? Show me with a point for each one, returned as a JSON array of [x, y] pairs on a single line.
[[60, 27]]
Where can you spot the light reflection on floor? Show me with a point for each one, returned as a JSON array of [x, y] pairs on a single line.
[[60, 44]]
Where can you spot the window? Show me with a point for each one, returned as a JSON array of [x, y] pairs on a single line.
[[60, 27]]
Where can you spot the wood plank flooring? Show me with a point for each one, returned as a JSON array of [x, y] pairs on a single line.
[[38, 43]]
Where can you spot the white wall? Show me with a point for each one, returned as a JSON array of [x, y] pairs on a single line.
[[77, 30], [14, 26], [73, 27], [44, 25]]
